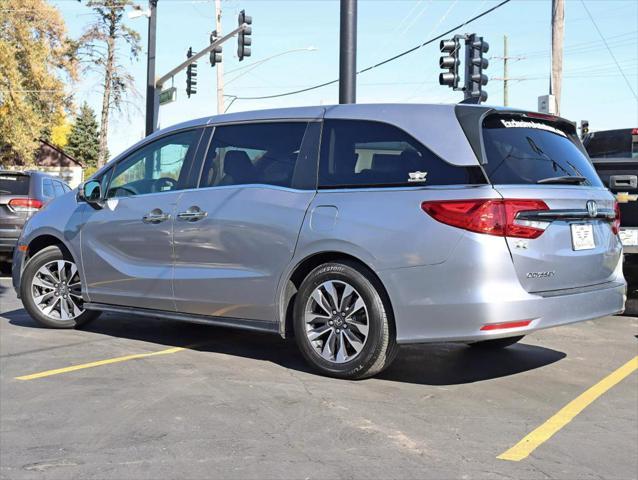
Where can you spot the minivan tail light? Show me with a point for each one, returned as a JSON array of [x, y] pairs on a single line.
[[491, 217], [25, 204], [615, 225]]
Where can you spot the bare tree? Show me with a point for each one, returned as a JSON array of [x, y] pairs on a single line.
[[100, 50]]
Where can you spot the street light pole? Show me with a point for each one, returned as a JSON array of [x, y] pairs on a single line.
[[348, 52], [152, 97]]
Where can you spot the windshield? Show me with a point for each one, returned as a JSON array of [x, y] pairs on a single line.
[[522, 150], [14, 184]]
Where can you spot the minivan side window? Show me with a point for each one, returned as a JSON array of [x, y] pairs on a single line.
[[59, 189], [358, 153], [47, 188], [254, 153], [156, 167]]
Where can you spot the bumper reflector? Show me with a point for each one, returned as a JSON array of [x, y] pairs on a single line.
[[23, 248], [506, 325]]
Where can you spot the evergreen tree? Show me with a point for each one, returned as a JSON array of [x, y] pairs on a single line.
[[84, 139]]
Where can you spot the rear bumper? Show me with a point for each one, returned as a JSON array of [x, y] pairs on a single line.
[[450, 302], [8, 240]]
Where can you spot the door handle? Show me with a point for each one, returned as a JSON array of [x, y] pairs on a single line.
[[156, 216], [192, 214]]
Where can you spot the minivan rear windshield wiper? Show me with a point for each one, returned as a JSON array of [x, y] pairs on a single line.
[[564, 179]]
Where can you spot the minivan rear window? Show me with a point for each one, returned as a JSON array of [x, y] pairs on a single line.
[[14, 184], [523, 150]]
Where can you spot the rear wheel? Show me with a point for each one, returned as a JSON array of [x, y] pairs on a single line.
[[497, 343], [341, 322], [51, 290]]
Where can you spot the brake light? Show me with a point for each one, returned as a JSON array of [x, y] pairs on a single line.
[[491, 217], [25, 204], [615, 225]]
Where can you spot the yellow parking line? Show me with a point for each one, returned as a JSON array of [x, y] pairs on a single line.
[[99, 363], [566, 414]]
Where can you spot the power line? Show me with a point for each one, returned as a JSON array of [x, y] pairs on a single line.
[[609, 49], [383, 62]]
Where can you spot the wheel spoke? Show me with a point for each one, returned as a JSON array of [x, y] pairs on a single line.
[[327, 351], [353, 340], [72, 271], [332, 295], [40, 299], [61, 271], [75, 309], [348, 291], [358, 305], [315, 333], [49, 308], [342, 355], [46, 270], [361, 327], [42, 283], [321, 300]]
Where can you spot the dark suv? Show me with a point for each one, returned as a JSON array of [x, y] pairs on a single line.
[[21, 195]]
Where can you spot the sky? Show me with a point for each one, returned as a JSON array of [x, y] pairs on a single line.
[[593, 86]]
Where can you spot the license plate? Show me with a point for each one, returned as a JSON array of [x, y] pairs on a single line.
[[582, 236], [629, 237]]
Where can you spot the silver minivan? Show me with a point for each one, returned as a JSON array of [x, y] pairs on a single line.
[[355, 228]]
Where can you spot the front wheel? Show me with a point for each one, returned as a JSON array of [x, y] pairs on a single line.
[[497, 343], [51, 290], [341, 322]]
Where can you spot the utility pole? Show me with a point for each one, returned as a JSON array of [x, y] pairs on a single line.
[[348, 52], [152, 97], [219, 66], [558, 24], [505, 75]]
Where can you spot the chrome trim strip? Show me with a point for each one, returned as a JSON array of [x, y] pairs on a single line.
[[575, 214]]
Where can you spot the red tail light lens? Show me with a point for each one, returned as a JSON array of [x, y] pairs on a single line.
[[492, 217], [615, 225], [25, 204]]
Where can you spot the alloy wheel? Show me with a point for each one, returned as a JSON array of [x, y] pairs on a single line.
[[57, 291], [337, 321]]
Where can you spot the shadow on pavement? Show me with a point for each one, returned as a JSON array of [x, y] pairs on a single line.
[[434, 364]]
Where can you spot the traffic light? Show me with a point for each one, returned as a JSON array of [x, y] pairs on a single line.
[[475, 79], [450, 62], [244, 39], [584, 128], [216, 53], [191, 75]]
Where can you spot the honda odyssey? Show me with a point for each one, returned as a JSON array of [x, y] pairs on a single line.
[[353, 228]]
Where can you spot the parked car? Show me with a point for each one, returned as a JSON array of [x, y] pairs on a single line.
[[353, 227], [615, 157], [21, 195]]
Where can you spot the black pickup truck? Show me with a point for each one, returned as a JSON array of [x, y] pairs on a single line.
[[615, 157]]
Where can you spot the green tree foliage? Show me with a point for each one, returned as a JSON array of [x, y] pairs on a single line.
[[84, 140], [36, 58]]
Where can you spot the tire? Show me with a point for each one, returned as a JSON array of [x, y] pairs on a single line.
[[497, 343], [363, 340], [52, 306]]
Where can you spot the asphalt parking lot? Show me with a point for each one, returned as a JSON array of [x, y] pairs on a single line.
[[161, 399]]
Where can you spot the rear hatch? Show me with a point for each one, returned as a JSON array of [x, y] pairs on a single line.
[[571, 240], [14, 190]]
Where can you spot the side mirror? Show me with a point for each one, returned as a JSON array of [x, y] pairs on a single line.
[[91, 193]]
